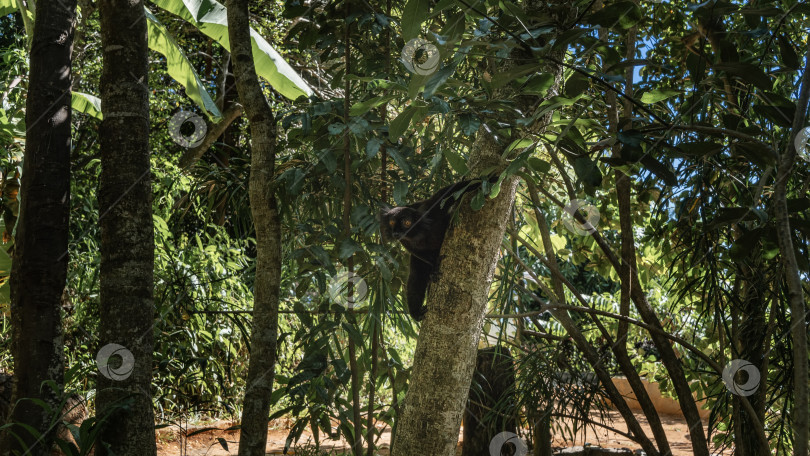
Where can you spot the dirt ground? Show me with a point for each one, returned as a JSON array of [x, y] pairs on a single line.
[[214, 443]]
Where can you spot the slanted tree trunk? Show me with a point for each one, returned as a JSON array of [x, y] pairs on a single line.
[[263, 207], [40, 253], [628, 250], [127, 238], [448, 342]]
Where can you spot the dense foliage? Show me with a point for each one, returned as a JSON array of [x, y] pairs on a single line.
[[703, 125]]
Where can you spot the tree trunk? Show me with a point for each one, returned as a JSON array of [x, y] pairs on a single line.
[[263, 207], [753, 330], [628, 252], [798, 309], [127, 239], [445, 354], [494, 382], [40, 261]]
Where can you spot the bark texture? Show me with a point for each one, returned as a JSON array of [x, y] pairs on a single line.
[[215, 130], [448, 342], [124, 398], [446, 351], [263, 207], [40, 252], [798, 309]]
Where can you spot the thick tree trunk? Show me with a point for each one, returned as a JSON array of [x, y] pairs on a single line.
[[40, 253], [127, 237], [445, 354], [448, 342], [263, 207]]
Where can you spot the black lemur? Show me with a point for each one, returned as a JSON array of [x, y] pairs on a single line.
[[420, 227]]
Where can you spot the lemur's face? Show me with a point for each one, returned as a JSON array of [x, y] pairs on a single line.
[[403, 224]]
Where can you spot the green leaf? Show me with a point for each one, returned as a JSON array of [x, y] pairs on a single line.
[[437, 79], [747, 72], [518, 144], [538, 84], [770, 249], [416, 84], [415, 12], [503, 78], [587, 171], [5, 296], [576, 84], [699, 148], [7, 7], [477, 201], [400, 124], [538, 165], [654, 96], [5, 263], [348, 247], [623, 15], [456, 161], [329, 159], [400, 190], [86, 104], [399, 159], [778, 115], [358, 125], [777, 109], [468, 123], [178, 66], [360, 108], [788, 53], [511, 9], [373, 146], [454, 30], [757, 153], [211, 19], [731, 215], [567, 37]]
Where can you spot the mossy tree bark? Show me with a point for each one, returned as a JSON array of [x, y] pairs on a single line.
[[263, 207], [127, 236], [445, 354], [40, 253], [448, 342]]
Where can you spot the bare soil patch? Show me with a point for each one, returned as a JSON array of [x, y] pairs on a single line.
[[214, 443]]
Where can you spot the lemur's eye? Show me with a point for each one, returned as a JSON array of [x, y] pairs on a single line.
[[406, 223], [391, 223]]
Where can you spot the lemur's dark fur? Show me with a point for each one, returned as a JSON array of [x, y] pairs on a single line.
[[420, 227]]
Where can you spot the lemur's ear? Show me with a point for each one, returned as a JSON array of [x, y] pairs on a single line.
[[382, 214]]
